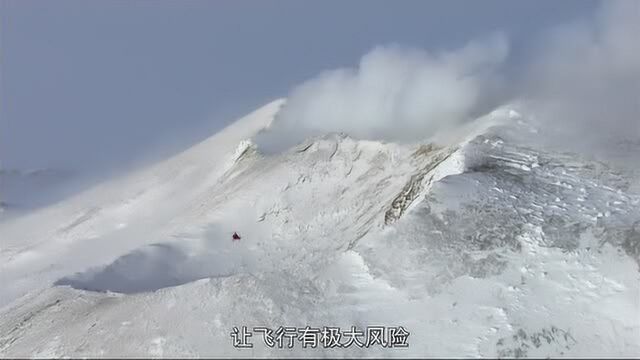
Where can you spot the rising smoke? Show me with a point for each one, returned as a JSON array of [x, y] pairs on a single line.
[[582, 79], [396, 94]]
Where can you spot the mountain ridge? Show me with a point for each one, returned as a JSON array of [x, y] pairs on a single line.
[[452, 242]]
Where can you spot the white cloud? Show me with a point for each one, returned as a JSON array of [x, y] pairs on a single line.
[[396, 94], [584, 81]]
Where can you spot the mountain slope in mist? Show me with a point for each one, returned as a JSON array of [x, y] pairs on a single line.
[[21, 191], [487, 246]]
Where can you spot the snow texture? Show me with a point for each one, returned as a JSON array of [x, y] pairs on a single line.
[[483, 247]]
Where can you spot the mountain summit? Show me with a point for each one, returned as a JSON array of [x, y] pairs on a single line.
[[482, 246]]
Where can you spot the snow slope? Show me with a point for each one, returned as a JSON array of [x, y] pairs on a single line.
[[481, 248]]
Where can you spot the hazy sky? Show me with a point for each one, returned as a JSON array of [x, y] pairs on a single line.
[[91, 85]]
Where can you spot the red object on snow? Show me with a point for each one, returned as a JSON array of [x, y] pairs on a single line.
[[235, 236]]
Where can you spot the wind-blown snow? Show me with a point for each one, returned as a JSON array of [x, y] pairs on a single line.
[[584, 79], [582, 82], [117, 217], [395, 94]]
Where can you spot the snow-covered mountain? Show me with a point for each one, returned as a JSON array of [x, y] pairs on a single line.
[[489, 246]]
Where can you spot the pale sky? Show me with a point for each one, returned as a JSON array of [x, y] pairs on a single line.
[[91, 85]]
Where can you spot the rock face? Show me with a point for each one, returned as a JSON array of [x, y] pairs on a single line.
[[486, 247], [428, 159]]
